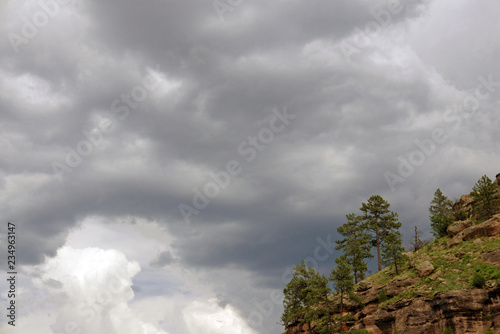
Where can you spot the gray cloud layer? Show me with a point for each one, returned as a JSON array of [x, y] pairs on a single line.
[[217, 82]]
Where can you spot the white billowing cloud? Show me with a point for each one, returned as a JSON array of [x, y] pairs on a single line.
[[93, 287], [89, 289], [210, 318]]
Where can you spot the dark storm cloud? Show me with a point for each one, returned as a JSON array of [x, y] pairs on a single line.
[[218, 84]]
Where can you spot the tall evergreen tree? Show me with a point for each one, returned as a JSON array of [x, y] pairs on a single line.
[[342, 282], [305, 291], [440, 214], [379, 220], [485, 194], [392, 250], [356, 245]]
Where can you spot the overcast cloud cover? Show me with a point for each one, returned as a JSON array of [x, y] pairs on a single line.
[[116, 115]]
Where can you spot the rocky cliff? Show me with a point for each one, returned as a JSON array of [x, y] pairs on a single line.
[[436, 291]]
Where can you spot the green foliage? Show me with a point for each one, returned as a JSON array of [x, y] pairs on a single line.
[[322, 325], [488, 271], [356, 245], [440, 214], [342, 280], [448, 331], [306, 289], [382, 296], [360, 331], [346, 318], [489, 331], [485, 197], [355, 298], [341, 275], [392, 250], [379, 220], [478, 280]]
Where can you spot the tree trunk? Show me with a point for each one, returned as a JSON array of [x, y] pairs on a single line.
[[341, 310], [329, 310], [378, 250]]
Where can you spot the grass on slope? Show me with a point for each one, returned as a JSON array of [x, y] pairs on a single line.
[[454, 268]]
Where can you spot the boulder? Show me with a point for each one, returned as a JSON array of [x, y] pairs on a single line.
[[489, 228], [458, 227], [424, 269], [364, 285]]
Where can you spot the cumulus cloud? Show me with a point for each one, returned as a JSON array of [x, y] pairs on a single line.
[[93, 290], [88, 291], [208, 317]]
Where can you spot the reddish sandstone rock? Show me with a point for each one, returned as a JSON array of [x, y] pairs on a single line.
[[424, 269], [489, 228], [458, 227]]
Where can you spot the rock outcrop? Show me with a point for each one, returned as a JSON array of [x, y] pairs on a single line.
[[465, 312], [462, 311], [463, 207], [489, 228], [434, 294], [437, 289], [458, 227]]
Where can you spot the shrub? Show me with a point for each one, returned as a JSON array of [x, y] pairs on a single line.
[[487, 271], [448, 331], [382, 296], [489, 331], [478, 280]]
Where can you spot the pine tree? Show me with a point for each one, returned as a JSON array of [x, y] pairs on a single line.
[[305, 291], [485, 194], [342, 282], [379, 220], [440, 214], [392, 250], [356, 245], [319, 310]]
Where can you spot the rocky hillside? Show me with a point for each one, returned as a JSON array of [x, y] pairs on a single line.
[[450, 286]]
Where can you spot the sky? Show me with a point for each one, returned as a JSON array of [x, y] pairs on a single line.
[[166, 163]]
